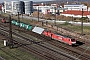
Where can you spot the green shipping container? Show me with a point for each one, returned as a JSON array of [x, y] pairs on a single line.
[[28, 27], [22, 25], [17, 24], [13, 22]]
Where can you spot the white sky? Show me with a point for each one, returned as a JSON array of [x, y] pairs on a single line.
[[24, 0]]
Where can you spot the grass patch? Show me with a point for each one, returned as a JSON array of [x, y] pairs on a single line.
[[19, 53], [71, 27]]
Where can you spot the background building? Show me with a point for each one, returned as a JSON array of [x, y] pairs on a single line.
[[44, 9], [28, 7], [76, 7], [23, 7], [7, 7], [76, 13], [15, 7]]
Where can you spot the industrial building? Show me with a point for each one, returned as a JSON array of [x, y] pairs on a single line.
[[28, 7], [45, 9], [76, 7], [17, 6], [23, 7], [76, 13], [7, 7]]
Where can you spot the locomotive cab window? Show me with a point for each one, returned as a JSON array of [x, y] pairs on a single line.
[[73, 40]]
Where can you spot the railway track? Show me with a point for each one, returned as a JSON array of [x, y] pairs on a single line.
[[76, 50], [9, 54], [45, 49], [27, 48], [75, 53]]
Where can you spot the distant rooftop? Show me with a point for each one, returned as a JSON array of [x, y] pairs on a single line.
[[77, 12], [74, 4]]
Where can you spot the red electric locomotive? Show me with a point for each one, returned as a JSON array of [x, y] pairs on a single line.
[[3, 20], [67, 40]]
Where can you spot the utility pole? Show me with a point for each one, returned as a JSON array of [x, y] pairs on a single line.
[[18, 21], [38, 14], [22, 16], [55, 17], [72, 18], [82, 23], [10, 33]]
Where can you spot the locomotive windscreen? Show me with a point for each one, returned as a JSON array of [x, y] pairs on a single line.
[[73, 40]]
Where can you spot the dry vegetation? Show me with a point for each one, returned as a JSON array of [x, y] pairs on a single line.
[[86, 3], [58, 17]]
